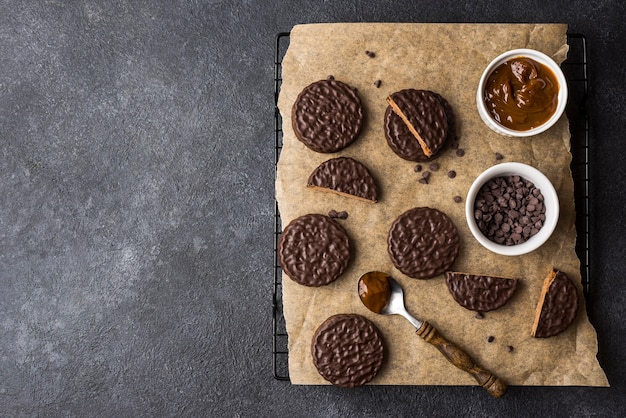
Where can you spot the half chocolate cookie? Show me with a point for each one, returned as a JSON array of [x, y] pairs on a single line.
[[423, 242], [478, 292], [345, 176], [313, 250], [327, 116], [347, 350], [557, 307], [418, 123]]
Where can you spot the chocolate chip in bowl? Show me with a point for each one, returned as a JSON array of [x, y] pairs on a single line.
[[521, 93], [512, 209]]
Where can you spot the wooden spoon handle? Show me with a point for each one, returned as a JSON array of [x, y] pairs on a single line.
[[490, 382]]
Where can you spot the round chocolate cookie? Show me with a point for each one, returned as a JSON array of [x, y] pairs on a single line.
[[313, 250], [347, 350], [478, 292], [423, 242], [428, 113], [557, 307], [327, 116], [345, 176]]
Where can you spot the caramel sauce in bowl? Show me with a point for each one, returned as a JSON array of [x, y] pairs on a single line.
[[521, 93]]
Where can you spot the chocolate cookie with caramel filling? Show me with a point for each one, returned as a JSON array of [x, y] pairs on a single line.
[[347, 350], [313, 250], [481, 293], [327, 116], [557, 307], [423, 242], [345, 176], [418, 123]]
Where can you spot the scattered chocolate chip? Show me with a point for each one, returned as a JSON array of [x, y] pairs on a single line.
[[460, 152], [458, 199], [424, 180], [377, 83], [455, 145], [337, 215], [330, 77], [426, 174], [370, 54], [451, 174], [490, 339], [417, 168], [499, 156], [479, 315], [433, 166], [509, 348]]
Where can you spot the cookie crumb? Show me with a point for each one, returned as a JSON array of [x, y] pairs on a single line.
[[377, 83], [370, 54], [490, 338], [479, 315], [330, 77], [509, 348], [499, 156]]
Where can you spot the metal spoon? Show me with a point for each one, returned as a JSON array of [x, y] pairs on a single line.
[[378, 289]]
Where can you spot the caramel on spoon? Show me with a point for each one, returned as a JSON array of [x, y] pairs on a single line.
[[381, 294]]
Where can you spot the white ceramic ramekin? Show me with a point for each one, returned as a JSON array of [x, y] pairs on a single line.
[[551, 203], [539, 57]]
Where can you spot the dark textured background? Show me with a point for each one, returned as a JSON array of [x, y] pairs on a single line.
[[136, 217]]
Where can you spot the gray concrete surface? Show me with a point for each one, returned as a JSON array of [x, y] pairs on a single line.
[[136, 210]]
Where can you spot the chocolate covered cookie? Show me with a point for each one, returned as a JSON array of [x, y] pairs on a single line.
[[557, 306], [423, 242], [327, 116], [345, 176], [481, 293], [347, 350], [418, 123], [313, 250]]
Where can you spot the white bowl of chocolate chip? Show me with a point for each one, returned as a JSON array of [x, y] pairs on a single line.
[[512, 209]]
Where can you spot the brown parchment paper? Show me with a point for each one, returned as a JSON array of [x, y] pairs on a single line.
[[448, 59]]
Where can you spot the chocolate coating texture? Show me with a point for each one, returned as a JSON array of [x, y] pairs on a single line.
[[431, 116], [345, 175], [480, 292], [347, 350], [327, 116], [401, 140], [423, 242], [313, 250], [559, 307]]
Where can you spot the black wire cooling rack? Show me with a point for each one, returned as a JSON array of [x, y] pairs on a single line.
[[575, 69]]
